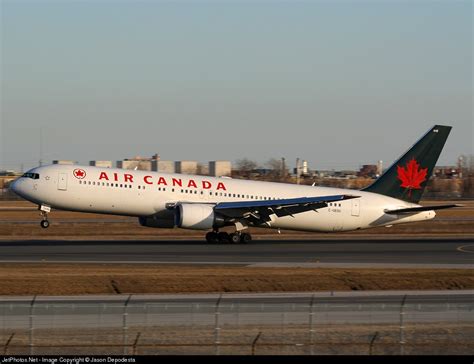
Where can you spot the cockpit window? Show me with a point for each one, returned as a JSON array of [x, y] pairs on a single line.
[[31, 175]]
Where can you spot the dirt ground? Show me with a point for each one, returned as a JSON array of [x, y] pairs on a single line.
[[363, 339], [77, 279]]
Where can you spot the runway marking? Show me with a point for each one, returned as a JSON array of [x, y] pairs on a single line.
[[464, 250]]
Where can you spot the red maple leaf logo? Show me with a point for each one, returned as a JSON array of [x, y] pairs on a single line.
[[79, 173], [412, 176]]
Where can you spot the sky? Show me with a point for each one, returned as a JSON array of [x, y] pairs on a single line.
[[337, 83]]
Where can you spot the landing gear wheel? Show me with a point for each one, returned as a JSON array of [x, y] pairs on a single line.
[[234, 238], [211, 237], [245, 238], [44, 216], [223, 237]]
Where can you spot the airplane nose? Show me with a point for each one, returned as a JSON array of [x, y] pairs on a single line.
[[13, 186], [16, 187]]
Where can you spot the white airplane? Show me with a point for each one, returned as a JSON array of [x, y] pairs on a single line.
[[163, 200]]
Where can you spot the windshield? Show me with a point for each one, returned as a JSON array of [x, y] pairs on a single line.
[[31, 175]]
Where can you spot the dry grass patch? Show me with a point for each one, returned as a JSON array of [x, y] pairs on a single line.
[[76, 279]]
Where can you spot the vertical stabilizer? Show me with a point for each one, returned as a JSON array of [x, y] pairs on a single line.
[[406, 179]]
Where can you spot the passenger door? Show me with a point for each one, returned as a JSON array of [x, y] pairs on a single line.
[[62, 181]]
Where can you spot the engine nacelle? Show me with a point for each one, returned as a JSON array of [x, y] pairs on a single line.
[[156, 222], [197, 216]]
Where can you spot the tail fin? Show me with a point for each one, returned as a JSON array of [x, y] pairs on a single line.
[[406, 179]]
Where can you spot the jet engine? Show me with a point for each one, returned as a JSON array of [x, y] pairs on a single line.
[[197, 216], [162, 220]]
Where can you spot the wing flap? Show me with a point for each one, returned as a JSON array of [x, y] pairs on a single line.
[[262, 209]]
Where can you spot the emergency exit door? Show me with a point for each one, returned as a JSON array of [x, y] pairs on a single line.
[[62, 181]]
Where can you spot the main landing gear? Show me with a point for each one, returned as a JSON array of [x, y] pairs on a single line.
[[44, 215], [223, 237]]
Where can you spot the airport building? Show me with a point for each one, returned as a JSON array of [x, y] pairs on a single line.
[[141, 165], [186, 167], [220, 168], [67, 162], [163, 166], [102, 164], [213, 168]]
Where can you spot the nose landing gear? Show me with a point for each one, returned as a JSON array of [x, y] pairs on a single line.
[[44, 215]]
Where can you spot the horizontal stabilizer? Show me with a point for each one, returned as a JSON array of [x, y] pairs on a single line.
[[414, 210]]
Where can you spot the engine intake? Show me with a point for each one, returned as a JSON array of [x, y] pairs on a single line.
[[197, 216]]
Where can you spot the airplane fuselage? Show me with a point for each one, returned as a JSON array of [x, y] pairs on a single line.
[[145, 193]]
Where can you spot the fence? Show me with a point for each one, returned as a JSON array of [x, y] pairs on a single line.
[[239, 324]]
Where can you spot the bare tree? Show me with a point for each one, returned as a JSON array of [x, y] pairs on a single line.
[[277, 168], [246, 166], [274, 165]]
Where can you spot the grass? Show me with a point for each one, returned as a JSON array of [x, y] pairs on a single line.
[[76, 279]]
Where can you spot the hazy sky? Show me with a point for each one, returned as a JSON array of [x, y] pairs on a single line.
[[339, 83]]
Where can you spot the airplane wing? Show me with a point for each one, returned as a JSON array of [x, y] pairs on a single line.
[[260, 211], [415, 210]]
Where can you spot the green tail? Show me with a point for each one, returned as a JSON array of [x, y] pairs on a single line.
[[406, 179]]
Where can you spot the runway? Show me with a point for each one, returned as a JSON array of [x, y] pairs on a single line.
[[437, 253]]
